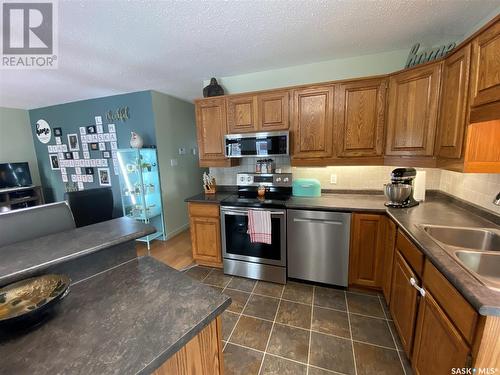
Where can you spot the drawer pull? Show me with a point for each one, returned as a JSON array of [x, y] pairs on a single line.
[[413, 282]]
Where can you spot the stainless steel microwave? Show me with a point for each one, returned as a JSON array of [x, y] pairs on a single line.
[[257, 144]]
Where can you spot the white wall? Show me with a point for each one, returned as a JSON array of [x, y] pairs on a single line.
[[16, 141], [175, 127]]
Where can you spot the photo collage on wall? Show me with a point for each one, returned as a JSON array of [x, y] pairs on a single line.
[[84, 152]]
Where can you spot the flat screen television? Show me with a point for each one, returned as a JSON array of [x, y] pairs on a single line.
[[14, 175]]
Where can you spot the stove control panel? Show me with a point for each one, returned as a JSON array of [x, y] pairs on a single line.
[[266, 179]]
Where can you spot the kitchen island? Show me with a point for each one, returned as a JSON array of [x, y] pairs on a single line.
[[134, 317]]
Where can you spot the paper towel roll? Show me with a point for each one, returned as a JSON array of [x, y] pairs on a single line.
[[419, 186]]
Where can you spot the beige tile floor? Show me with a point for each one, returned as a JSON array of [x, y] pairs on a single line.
[[304, 329]]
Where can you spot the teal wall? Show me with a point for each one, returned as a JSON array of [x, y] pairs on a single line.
[[71, 116], [16, 142], [176, 127]]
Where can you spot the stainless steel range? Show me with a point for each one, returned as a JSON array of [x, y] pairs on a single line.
[[256, 260]]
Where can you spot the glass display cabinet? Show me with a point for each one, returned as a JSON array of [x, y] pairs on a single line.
[[140, 189]]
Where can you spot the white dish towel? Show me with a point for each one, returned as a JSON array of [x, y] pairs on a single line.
[[259, 226]]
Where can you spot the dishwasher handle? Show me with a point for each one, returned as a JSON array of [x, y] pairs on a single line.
[[320, 221]]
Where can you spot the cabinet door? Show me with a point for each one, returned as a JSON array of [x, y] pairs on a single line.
[[211, 126], [366, 256], [413, 110], [273, 111], [312, 122], [438, 345], [359, 117], [485, 72], [390, 243], [453, 111], [242, 114], [404, 300], [205, 239]]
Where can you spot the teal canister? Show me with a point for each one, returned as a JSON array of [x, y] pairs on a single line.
[[306, 187]]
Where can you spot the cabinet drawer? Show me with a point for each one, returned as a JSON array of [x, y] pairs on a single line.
[[203, 209], [461, 313], [410, 252]]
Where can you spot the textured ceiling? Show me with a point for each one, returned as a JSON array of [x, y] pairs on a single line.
[[111, 47]]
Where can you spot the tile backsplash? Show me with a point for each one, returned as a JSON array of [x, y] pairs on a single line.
[[479, 189]]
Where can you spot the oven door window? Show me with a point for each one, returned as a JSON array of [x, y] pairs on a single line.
[[238, 240]]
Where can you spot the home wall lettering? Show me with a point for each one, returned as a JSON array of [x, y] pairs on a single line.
[[416, 58]]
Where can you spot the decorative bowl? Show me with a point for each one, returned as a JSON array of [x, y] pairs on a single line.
[[27, 301]]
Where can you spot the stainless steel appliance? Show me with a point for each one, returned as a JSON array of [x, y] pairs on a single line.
[[400, 191], [256, 260], [256, 144], [318, 246]]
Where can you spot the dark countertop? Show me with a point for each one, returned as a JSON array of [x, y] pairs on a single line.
[[438, 210], [209, 198], [37, 254], [127, 320]]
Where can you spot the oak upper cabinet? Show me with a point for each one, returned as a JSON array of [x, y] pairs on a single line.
[[366, 255], [273, 113], [413, 111], [205, 233], [453, 109], [404, 299], [312, 122], [211, 127], [242, 114], [359, 117], [485, 67], [438, 347]]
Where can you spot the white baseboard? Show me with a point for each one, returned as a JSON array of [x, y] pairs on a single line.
[[176, 231]]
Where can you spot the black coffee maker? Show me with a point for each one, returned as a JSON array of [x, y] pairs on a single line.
[[400, 191]]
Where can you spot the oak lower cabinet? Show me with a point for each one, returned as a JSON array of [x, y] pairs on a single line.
[[201, 355], [453, 109], [205, 233], [439, 347], [359, 117], [404, 301], [413, 111], [366, 254], [210, 131], [312, 122], [389, 245]]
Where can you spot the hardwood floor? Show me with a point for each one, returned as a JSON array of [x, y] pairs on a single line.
[[176, 252]]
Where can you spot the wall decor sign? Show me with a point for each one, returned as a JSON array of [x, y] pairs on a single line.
[[43, 132], [416, 58], [119, 114]]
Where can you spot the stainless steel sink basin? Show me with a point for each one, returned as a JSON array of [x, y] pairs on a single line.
[[477, 250], [485, 266], [470, 238]]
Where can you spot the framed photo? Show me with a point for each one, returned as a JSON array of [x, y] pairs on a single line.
[[104, 176], [94, 146], [73, 142], [106, 154], [57, 132], [54, 162], [68, 155], [91, 129], [89, 170]]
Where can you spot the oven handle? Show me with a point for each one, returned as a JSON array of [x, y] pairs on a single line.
[[245, 213]]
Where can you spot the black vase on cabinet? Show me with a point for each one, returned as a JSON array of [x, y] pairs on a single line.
[[213, 89]]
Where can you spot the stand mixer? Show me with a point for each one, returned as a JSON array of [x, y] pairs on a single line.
[[400, 191]]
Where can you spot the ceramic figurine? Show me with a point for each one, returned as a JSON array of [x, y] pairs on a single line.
[[136, 141], [213, 89]]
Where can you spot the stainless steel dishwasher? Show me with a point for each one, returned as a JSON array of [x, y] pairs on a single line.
[[318, 246]]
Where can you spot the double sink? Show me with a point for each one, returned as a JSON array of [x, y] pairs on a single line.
[[475, 249]]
